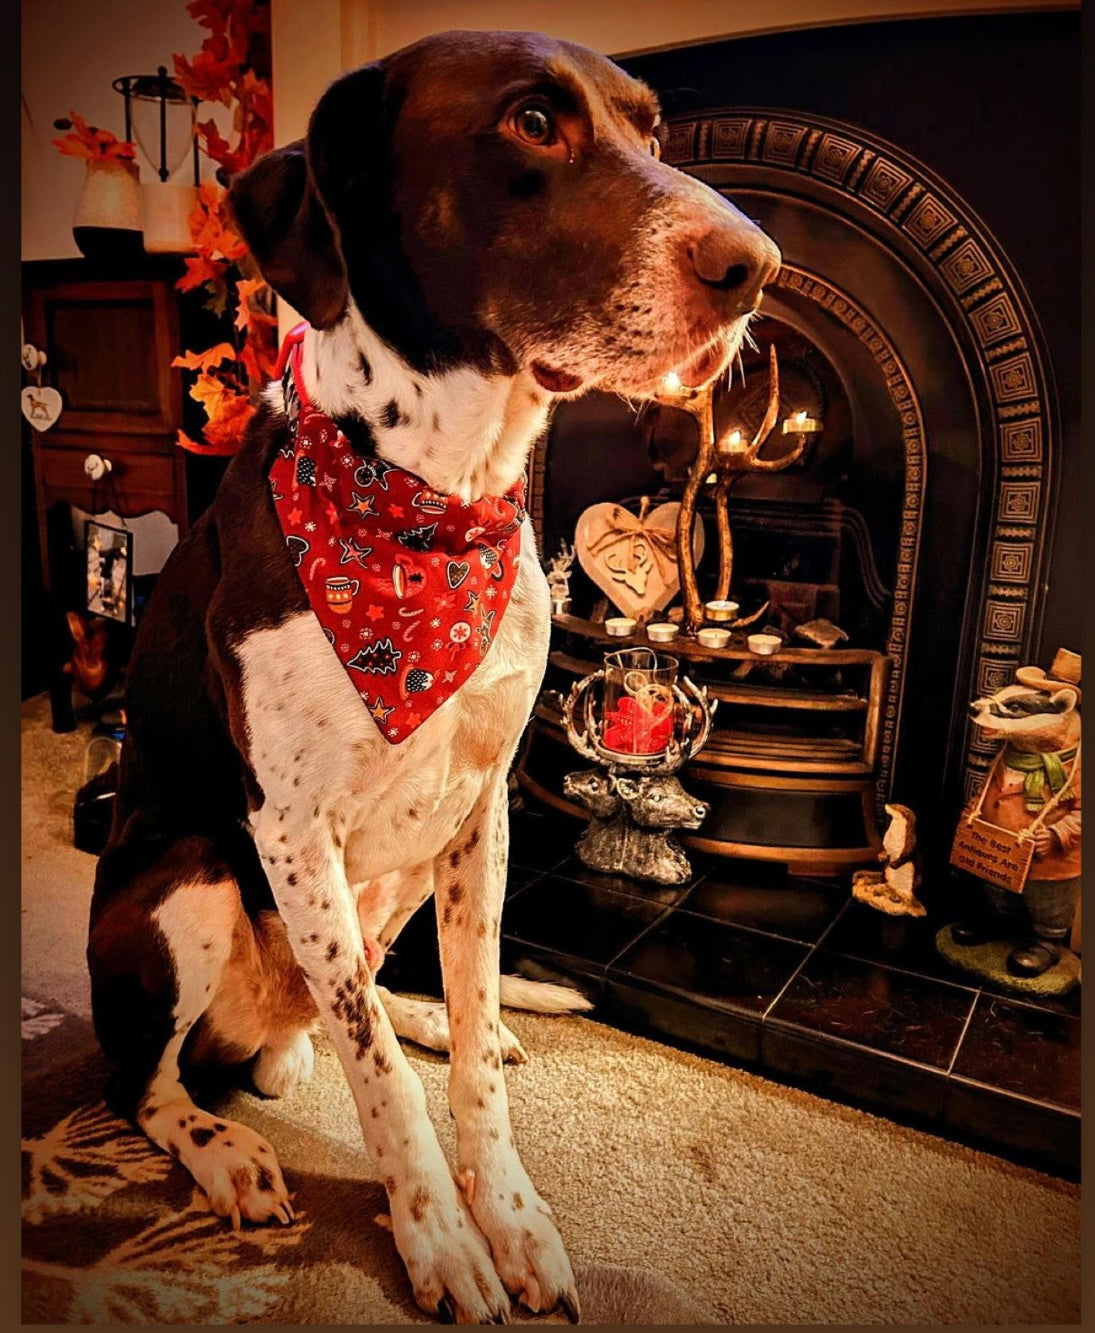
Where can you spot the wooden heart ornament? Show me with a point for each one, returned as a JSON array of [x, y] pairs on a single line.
[[632, 558], [41, 407]]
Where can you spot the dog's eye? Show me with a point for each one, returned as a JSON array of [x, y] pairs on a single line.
[[534, 125]]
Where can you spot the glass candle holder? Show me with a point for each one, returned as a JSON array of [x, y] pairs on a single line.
[[638, 706]]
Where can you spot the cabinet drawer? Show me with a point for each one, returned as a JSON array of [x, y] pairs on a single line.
[[136, 484], [108, 444]]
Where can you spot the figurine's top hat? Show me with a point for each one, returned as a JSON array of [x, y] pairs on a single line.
[[1063, 674]]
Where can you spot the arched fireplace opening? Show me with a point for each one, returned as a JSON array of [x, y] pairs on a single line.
[[899, 318]]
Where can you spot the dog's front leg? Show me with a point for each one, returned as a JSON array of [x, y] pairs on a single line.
[[446, 1257], [470, 878]]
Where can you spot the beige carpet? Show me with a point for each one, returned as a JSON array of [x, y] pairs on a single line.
[[743, 1201]]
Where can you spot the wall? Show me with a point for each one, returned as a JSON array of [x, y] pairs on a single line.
[[71, 52], [319, 38]]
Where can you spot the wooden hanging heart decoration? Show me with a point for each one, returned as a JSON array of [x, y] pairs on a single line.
[[41, 407], [632, 558]]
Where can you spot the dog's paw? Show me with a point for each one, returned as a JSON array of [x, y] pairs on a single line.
[[525, 1244], [283, 1064], [513, 1053], [426, 1023], [237, 1171], [447, 1259]]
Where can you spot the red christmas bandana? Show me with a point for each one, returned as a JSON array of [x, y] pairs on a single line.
[[409, 585]]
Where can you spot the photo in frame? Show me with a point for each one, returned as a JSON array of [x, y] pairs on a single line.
[[109, 555]]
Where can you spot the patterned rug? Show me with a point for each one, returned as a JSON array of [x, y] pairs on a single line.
[[115, 1233]]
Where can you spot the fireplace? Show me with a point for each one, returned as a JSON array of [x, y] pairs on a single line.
[[920, 522], [920, 178]]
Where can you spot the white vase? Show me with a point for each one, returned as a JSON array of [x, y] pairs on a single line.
[[107, 221], [165, 214]]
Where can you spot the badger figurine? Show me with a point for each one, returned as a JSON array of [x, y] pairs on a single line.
[[1033, 785]]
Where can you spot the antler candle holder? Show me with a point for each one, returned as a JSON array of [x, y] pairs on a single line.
[[726, 457], [639, 723]]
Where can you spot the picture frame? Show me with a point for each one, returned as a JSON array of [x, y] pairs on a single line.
[[108, 555]]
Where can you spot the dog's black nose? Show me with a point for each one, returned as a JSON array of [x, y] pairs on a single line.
[[734, 261]]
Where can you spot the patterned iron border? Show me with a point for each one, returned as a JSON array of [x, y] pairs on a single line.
[[900, 388], [963, 266]]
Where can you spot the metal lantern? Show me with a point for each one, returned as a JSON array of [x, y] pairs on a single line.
[[161, 119]]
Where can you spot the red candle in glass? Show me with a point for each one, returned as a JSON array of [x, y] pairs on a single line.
[[639, 712]]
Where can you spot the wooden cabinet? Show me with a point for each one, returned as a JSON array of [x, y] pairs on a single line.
[[110, 346], [110, 339]]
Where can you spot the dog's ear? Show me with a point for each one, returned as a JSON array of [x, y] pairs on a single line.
[[280, 216], [289, 204], [347, 139]]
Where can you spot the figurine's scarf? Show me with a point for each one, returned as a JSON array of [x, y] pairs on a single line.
[[409, 585], [1040, 769]]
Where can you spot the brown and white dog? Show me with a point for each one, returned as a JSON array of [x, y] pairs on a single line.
[[474, 227]]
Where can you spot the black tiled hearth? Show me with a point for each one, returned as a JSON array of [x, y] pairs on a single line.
[[877, 1008], [791, 977]]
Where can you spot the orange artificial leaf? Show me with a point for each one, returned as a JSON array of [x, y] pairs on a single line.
[[210, 232], [230, 423], [206, 360], [193, 446], [227, 408], [259, 361], [211, 14], [257, 104], [206, 78], [88, 141], [249, 314], [211, 392], [199, 270], [220, 150]]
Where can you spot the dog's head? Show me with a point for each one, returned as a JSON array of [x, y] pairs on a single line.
[[496, 200]]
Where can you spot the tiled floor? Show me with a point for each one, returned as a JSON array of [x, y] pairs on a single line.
[[792, 977]]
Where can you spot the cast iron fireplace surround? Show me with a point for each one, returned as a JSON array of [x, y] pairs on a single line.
[[908, 292], [920, 177]]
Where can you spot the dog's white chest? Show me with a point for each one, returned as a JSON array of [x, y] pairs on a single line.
[[318, 754]]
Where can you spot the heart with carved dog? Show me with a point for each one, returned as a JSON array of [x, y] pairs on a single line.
[[632, 558], [41, 406]]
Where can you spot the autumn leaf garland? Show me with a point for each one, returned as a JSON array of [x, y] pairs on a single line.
[[230, 70]]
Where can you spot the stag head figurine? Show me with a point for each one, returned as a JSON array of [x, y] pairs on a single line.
[[633, 798]]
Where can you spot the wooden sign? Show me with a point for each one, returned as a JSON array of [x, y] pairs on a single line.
[[993, 854]]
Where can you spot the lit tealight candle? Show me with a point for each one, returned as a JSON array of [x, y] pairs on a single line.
[[721, 610], [800, 423], [732, 443]]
